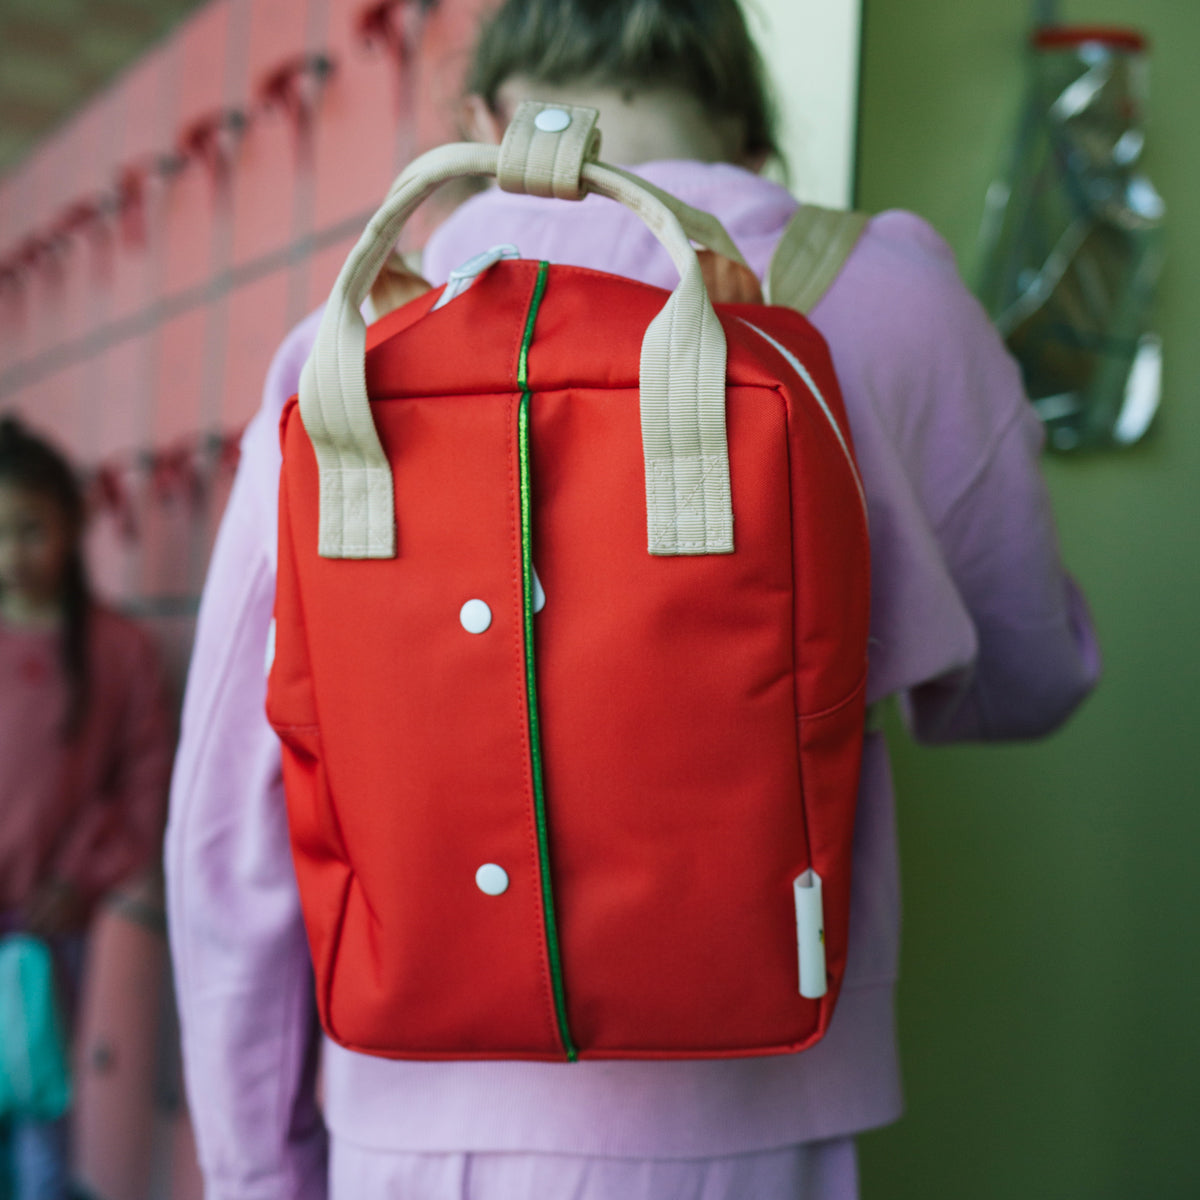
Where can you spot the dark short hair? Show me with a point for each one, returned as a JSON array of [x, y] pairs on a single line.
[[700, 46]]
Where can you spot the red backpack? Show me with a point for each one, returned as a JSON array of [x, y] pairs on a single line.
[[571, 630]]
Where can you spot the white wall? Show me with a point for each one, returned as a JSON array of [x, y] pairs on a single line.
[[811, 49]]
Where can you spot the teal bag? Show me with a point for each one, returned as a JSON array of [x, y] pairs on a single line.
[[35, 1079]]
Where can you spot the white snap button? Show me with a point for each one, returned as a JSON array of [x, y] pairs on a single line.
[[539, 594], [552, 120], [475, 616], [491, 879]]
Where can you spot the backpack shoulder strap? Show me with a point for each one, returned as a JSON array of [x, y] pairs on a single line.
[[811, 252]]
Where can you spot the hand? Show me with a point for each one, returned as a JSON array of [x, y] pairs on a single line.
[[728, 282], [396, 285], [54, 909]]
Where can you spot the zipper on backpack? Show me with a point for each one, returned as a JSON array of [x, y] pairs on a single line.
[[535, 740]]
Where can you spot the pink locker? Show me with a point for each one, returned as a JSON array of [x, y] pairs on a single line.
[[196, 216], [139, 178], [354, 136], [264, 200], [75, 220]]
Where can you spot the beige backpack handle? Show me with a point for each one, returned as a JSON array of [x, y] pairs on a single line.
[[546, 151]]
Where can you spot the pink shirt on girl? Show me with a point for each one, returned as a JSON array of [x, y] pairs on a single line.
[[975, 627], [89, 811]]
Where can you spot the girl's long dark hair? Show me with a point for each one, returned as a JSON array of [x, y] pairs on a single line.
[[29, 462]]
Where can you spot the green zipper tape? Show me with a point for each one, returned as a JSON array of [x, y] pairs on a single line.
[[535, 736]]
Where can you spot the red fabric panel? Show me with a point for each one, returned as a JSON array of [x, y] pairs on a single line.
[[669, 725], [407, 833]]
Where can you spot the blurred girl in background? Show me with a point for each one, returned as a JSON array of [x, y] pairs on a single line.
[[85, 746]]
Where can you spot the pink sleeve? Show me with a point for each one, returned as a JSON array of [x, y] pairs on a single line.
[[119, 832], [975, 623], [240, 955], [972, 446], [1037, 656]]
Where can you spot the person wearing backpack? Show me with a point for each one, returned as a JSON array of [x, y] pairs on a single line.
[[975, 626]]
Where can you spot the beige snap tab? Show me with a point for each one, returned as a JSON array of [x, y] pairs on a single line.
[[552, 120]]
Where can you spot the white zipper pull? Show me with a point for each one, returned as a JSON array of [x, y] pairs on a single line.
[[810, 935], [462, 277]]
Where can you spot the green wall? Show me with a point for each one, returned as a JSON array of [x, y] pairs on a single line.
[[1050, 999]]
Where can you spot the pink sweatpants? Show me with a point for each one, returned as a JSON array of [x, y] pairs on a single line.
[[817, 1171]]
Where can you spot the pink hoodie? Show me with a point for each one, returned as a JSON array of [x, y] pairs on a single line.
[[975, 626]]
